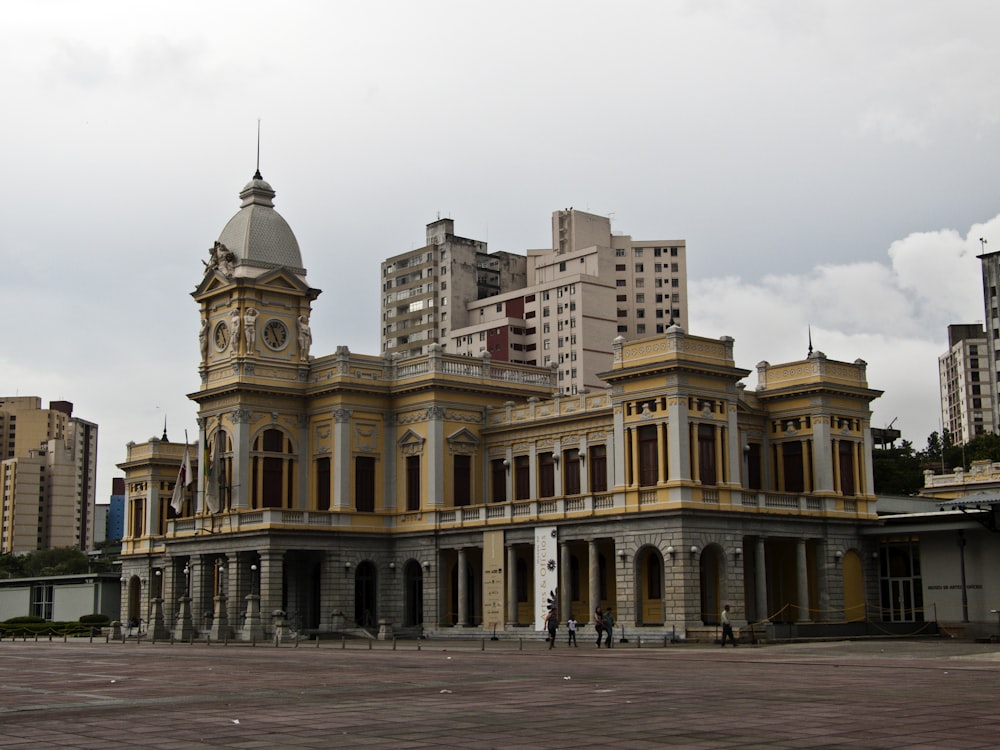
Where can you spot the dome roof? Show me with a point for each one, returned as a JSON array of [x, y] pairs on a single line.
[[258, 235]]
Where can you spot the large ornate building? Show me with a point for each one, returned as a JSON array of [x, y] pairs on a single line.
[[454, 494]]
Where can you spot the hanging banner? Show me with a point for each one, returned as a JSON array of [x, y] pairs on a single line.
[[493, 580], [546, 572]]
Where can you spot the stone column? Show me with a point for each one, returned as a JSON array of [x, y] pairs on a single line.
[[220, 619], [760, 579], [802, 579], [463, 587], [253, 629], [342, 463], [270, 581], [661, 461], [511, 584], [695, 454], [678, 439], [240, 487], [565, 587], [434, 453], [593, 577]]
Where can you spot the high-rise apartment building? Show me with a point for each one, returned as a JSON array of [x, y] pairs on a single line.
[[46, 477], [964, 372], [991, 303], [425, 291], [592, 286]]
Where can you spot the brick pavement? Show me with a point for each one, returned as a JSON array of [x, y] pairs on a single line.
[[472, 694]]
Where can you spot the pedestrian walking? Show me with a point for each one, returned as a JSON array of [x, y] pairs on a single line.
[[727, 628], [552, 622], [609, 626], [571, 628], [599, 625]]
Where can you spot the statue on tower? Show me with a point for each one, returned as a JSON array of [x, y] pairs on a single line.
[[250, 328], [221, 259], [305, 338], [234, 332]]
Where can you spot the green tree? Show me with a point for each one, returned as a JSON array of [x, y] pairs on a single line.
[[897, 471]]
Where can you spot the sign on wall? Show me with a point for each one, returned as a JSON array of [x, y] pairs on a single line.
[[546, 572], [493, 580]]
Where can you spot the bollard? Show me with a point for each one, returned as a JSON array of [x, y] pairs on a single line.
[[664, 641], [369, 645], [520, 644], [482, 645], [638, 641], [317, 641]]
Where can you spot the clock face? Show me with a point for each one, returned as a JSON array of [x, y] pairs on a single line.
[[221, 336], [275, 334]]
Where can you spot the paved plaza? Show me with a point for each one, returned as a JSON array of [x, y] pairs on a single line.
[[498, 694]]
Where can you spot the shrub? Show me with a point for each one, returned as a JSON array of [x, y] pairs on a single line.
[[95, 619], [24, 620]]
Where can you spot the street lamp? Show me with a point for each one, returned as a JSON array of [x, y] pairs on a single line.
[[253, 576]]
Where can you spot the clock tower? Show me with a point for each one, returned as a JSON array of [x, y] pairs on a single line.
[[255, 339]]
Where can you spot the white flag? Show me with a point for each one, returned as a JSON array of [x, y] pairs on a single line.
[[184, 479], [212, 476]]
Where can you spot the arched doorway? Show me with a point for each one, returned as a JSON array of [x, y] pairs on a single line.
[[649, 579], [365, 589], [854, 587], [134, 601], [710, 569], [413, 595]]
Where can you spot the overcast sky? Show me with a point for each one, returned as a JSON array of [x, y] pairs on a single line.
[[830, 164]]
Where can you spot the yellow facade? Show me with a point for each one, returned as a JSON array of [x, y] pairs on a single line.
[[352, 491]]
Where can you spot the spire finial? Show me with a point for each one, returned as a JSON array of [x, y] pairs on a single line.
[[256, 175], [164, 438], [810, 339]]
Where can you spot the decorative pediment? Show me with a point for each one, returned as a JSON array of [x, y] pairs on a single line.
[[411, 443], [463, 442]]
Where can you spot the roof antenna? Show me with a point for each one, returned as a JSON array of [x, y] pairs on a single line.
[[256, 175], [810, 340]]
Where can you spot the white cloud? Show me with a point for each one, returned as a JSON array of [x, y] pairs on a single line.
[[894, 317]]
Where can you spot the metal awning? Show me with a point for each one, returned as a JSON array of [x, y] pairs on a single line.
[[983, 506], [981, 501]]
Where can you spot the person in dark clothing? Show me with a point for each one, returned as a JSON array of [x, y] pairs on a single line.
[[551, 622], [599, 625], [609, 626], [727, 628]]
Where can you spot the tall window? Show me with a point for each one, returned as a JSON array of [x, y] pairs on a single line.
[[273, 470], [792, 460], [900, 584], [413, 482], [323, 482], [522, 478], [498, 480], [598, 468], [41, 601], [706, 454], [571, 472], [648, 463], [364, 484], [463, 480], [546, 475], [846, 468]]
